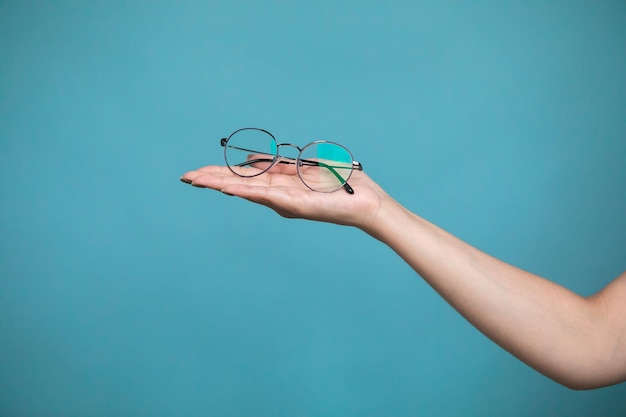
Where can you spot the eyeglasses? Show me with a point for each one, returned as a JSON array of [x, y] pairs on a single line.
[[321, 165]]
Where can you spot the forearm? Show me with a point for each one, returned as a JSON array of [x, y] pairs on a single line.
[[545, 325]]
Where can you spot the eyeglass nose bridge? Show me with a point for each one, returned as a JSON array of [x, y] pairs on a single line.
[[291, 145], [287, 145]]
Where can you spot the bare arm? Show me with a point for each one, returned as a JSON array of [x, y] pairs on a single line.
[[579, 342]]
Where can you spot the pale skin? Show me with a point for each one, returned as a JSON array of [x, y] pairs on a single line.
[[577, 341]]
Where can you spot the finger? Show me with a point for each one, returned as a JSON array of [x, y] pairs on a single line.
[[284, 166], [218, 181], [188, 177], [275, 198], [215, 169]]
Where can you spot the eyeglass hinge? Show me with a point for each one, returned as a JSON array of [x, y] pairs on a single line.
[[223, 141]]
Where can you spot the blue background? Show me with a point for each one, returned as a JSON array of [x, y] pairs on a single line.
[[126, 292]]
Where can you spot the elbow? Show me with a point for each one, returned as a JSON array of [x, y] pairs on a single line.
[[572, 381], [589, 379], [586, 385], [581, 385]]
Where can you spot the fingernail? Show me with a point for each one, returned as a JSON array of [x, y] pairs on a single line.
[[224, 192], [185, 180]]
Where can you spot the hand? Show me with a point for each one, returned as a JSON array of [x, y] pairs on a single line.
[[282, 190]]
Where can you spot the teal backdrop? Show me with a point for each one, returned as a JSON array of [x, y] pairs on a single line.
[[124, 292]]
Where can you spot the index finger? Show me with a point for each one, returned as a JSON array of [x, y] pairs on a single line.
[[212, 169]]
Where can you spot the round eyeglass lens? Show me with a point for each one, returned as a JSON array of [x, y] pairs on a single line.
[[250, 152], [325, 166]]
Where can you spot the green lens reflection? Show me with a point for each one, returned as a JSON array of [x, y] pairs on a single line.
[[325, 166]]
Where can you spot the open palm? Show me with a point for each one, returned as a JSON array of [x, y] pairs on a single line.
[[282, 190]]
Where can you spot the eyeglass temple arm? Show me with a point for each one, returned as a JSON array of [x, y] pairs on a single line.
[[346, 186], [355, 165], [287, 160]]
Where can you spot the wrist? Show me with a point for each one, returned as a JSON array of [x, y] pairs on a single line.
[[387, 220]]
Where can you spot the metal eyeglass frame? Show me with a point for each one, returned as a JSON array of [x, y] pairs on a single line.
[[298, 162]]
